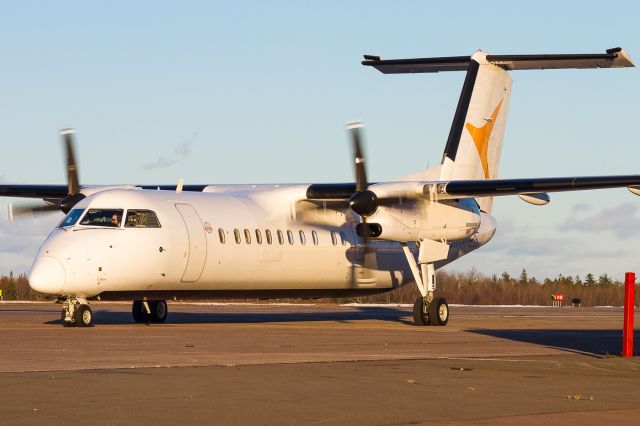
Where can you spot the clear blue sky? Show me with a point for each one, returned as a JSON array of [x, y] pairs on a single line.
[[260, 91]]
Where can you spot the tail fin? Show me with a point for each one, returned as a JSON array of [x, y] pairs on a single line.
[[475, 139]]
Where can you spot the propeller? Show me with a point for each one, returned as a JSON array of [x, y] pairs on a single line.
[[52, 204], [73, 184], [363, 202]]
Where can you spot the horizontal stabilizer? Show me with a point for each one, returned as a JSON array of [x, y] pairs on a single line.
[[612, 58]]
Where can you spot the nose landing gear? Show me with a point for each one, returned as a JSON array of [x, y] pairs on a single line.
[[147, 311], [76, 313]]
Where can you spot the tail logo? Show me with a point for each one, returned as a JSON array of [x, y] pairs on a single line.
[[481, 136]]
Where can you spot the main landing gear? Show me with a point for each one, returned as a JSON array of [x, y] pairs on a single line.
[[434, 313], [427, 310], [76, 313], [149, 311]]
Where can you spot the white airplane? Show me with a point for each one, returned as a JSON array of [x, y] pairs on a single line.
[[151, 243]]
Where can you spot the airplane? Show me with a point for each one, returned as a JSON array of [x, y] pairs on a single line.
[[152, 243]]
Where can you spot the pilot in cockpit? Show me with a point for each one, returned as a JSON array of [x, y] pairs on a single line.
[[115, 220]]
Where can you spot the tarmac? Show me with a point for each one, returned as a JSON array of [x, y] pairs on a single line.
[[317, 364]]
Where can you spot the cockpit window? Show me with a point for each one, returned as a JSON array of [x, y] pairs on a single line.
[[71, 218], [141, 219], [103, 217]]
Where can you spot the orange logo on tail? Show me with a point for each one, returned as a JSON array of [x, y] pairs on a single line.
[[481, 136]]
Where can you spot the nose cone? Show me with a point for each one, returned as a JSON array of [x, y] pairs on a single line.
[[47, 275]]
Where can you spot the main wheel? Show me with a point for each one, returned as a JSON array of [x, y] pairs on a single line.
[[439, 312], [158, 311], [139, 312], [83, 316], [419, 316]]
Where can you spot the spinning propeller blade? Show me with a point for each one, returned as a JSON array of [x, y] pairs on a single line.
[[55, 204], [364, 203]]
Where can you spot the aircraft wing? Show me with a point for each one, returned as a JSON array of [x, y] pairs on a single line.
[[33, 191], [60, 191], [492, 188], [443, 190]]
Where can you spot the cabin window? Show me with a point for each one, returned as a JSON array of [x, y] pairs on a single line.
[[236, 234], [258, 236], [141, 219], [314, 237], [267, 234], [247, 236], [334, 239], [103, 217], [290, 236], [303, 239], [343, 238], [280, 237], [71, 218], [221, 235]]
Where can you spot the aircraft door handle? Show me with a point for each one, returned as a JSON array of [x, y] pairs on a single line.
[[161, 249]]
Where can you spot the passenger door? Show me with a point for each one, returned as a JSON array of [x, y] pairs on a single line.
[[197, 255]]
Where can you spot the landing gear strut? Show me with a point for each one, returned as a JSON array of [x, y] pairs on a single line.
[[149, 311], [76, 313], [427, 310]]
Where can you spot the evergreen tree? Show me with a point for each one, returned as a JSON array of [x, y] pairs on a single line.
[[589, 281], [524, 278], [8, 285], [604, 279]]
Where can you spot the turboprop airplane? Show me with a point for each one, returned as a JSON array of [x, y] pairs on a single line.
[[150, 243]]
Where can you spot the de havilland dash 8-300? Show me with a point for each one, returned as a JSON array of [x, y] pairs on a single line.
[[150, 243]]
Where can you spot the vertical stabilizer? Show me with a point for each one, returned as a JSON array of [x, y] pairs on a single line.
[[475, 139]]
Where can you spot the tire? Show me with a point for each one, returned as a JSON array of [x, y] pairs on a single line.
[[439, 312], [158, 311], [138, 311], [83, 316], [419, 316]]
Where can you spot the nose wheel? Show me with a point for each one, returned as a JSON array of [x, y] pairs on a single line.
[[76, 313], [149, 311]]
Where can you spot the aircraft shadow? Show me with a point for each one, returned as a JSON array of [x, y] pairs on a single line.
[[107, 317], [597, 343]]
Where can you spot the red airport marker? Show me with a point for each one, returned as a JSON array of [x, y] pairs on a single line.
[[629, 299]]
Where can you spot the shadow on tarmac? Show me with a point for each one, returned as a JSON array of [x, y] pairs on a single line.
[[597, 343], [106, 317]]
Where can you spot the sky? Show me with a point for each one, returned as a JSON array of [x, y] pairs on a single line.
[[257, 92]]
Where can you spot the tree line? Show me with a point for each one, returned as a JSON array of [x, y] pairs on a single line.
[[468, 288], [474, 288]]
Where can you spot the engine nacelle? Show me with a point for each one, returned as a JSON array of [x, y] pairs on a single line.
[[417, 220]]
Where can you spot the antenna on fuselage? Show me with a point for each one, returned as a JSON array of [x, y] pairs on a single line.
[[179, 185]]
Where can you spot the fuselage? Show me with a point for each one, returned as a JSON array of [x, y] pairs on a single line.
[[229, 240]]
